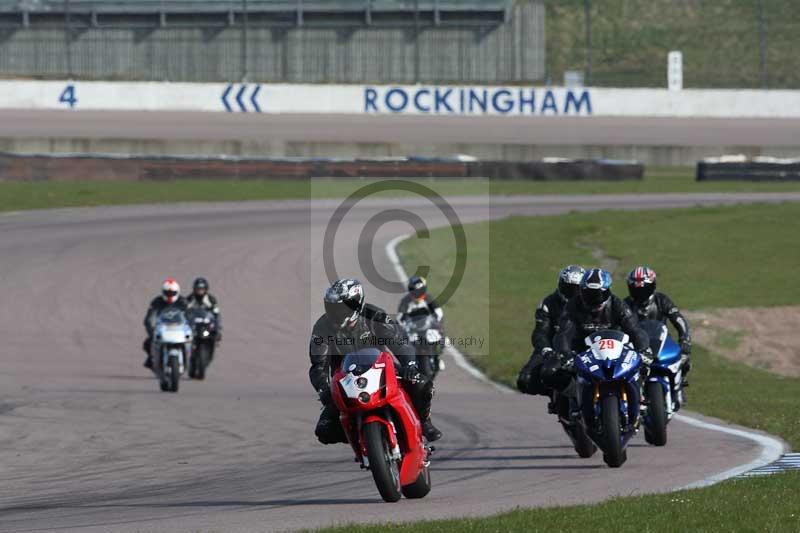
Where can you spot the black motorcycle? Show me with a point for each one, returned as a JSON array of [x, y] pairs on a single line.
[[564, 404], [425, 332], [204, 325]]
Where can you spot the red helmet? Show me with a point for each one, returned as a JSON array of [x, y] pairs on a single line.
[[641, 284], [170, 290]]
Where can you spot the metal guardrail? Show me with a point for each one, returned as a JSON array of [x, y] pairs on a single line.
[[253, 6], [292, 41]]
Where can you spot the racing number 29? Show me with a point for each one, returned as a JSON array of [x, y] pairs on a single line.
[[68, 96], [606, 344]]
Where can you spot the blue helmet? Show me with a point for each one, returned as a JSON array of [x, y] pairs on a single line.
[[595, 288]]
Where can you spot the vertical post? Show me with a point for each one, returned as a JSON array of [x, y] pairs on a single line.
[[762, 44], [416, 41], [244, 40], [587, 15], [68, 37]]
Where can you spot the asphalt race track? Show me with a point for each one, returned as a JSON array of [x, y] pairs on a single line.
[[88, 442], [561, 130]]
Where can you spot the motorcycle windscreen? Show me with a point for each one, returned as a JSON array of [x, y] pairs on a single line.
[[202, 316], [607, 345], [359, 362], [172, 316]]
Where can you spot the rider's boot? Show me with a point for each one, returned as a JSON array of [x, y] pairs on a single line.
[[430, 431]]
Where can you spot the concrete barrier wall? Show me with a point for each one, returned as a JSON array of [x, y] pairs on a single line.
[[398, 100]]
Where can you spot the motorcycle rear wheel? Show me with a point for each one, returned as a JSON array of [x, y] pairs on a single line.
[[421, 487], [385, 471], [583, 445], [655, 432], [613, 454]]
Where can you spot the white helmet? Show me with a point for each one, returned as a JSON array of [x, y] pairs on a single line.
[[170, 290]]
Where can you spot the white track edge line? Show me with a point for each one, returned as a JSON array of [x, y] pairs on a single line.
[[772, 448]]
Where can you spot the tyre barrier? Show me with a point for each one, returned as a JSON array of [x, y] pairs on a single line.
[[73, 167], [741, 169]]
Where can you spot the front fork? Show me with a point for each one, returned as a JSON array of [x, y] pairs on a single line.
[[384, 418], [628, 397]]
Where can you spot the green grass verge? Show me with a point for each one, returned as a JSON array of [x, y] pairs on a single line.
[[42, 195], [706, 257], [756, 504], [631, 38]]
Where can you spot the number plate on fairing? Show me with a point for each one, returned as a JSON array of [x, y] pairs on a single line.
[[373, 377]]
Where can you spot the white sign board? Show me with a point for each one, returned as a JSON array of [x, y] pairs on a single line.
[[675, 71], [397, 100]]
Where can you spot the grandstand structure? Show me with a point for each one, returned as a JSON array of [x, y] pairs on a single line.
[[294, 41]]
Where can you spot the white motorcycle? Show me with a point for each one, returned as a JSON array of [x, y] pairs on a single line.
[[171, 347]]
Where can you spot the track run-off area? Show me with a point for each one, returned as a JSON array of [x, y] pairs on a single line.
[[88, 442]]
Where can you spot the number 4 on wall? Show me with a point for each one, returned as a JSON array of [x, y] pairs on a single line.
[[68, 96]]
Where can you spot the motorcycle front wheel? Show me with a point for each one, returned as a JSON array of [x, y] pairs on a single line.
[[613, 454], [655, 428], [385, 470], [200, 358], [174, 374]]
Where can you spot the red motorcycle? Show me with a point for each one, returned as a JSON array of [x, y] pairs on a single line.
[[381, 424]]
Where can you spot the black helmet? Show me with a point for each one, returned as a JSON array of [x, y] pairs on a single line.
[[595, 288], [569, 281], [200, 285], [417, 286], [641, 284], [344, 301]]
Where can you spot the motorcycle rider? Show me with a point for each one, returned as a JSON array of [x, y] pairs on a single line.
[[349, 324], [547, 317], [170, 296], [201, 298], [647, 304], [595, 309], [418, 301]]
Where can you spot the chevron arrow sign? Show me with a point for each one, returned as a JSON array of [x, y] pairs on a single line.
[[241, 98]]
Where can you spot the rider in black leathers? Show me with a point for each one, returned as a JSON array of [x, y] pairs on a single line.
[[348, 325], [594, 309], [418, 301], [647, 304], [170, 296], [547, 317], [202, 299]]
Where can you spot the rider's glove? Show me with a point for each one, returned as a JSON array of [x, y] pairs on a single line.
[[547, 353], [686, 346], [410, 373], [325, 396], [567, 362], [647, 356]]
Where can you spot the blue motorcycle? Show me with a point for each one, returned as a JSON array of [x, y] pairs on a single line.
[[608, 392], [663, 391]]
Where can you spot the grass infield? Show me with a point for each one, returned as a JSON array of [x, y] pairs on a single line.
[[16, 196], [706, 257]]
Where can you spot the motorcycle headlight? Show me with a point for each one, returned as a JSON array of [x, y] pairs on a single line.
[[205, 334], [363, 397], [362, 383]]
